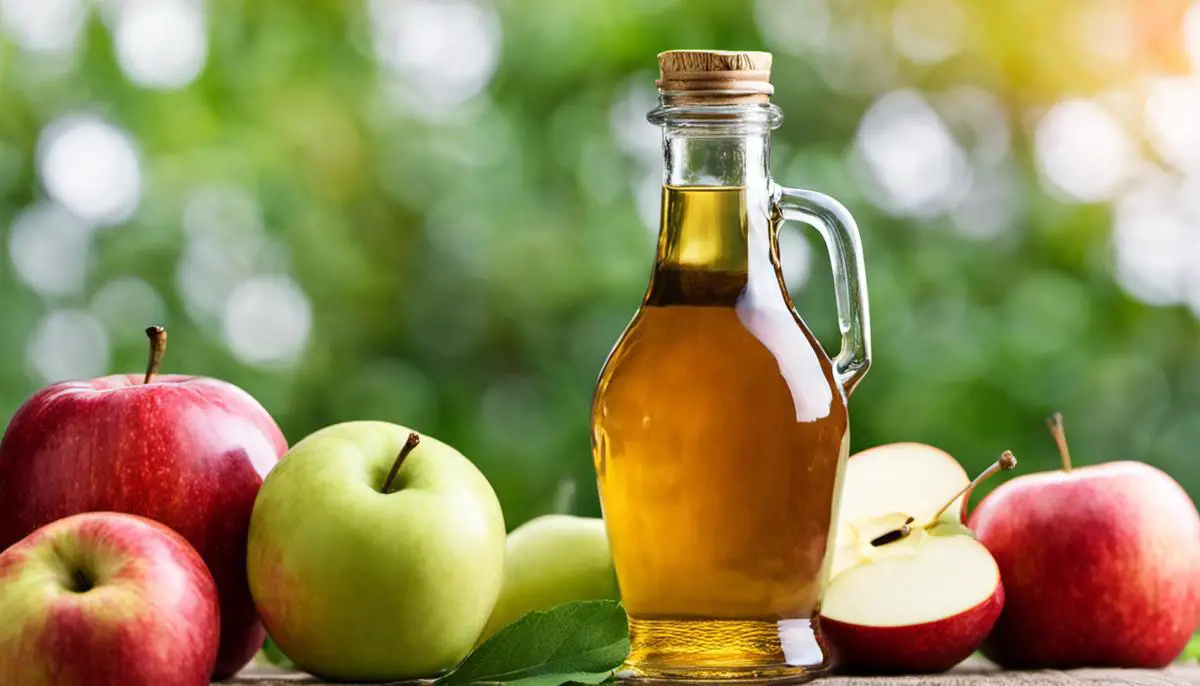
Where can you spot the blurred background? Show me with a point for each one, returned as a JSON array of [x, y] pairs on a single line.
[[443, 212]]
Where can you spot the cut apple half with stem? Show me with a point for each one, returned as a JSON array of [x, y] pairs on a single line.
[[912, 590]]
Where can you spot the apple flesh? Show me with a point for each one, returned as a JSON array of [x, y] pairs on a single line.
[[189, 452], [374, 556], [910, 478], [1101, 565], [104, 599], [551, 560], [913, 478], [922, 605]]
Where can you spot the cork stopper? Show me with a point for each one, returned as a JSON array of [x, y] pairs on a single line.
[[714, 76]]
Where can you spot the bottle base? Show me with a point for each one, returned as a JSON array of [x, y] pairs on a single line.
[[690, 650]]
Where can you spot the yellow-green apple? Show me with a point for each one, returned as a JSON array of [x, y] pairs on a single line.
[[105, 599], [376, 554], [189, 452], [914, 592], [551, 560], [1101, 565]]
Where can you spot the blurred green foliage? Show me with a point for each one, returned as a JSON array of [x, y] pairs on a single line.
[[469, 264]]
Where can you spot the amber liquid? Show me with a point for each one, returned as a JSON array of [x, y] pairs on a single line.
[[719, 434]]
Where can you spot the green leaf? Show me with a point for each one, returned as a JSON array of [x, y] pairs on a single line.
[[275, 656], [581, 642]]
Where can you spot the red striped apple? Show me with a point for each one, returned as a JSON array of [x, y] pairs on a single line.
[[189, 452], [104, 599], [1101, 565], [913, 591]]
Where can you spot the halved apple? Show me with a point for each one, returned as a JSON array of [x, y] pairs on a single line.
[[923, 603], [911, 590], [913, 479]]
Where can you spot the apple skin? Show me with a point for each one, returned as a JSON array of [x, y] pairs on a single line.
[[151, 618], [357, 585], [189, 452], [1101, 566], [552, 560], [916, 649]]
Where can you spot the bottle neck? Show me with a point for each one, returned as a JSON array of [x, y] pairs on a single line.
[[735, 160], [713, 234], [719, 145]]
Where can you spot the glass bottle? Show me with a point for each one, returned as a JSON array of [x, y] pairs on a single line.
[[719, 424]]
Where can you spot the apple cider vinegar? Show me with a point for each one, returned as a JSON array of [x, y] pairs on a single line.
[[719, 424], [719, 436]]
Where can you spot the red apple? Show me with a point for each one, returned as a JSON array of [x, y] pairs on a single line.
[[1101, 566], [105, 599], [189, 452], [912, 590]]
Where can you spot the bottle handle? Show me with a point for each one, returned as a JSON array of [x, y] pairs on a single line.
[[837, 227]]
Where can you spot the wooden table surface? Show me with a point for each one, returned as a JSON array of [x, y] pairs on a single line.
[[969, 674]]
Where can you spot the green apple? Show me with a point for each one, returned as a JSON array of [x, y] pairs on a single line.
[[375, 553], [551, 560]]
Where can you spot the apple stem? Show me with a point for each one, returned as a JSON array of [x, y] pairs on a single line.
[[413, 440], [158, 346], [1055, 422], [1007, 461]]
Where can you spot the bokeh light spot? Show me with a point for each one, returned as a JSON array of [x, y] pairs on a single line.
[[267, 320], [43, 26], [49, 248], [161, 44], [1155, 242], [91, 167], [441, 52], [67, 344], [1082, 152], [915, 164], [1173, 121]]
